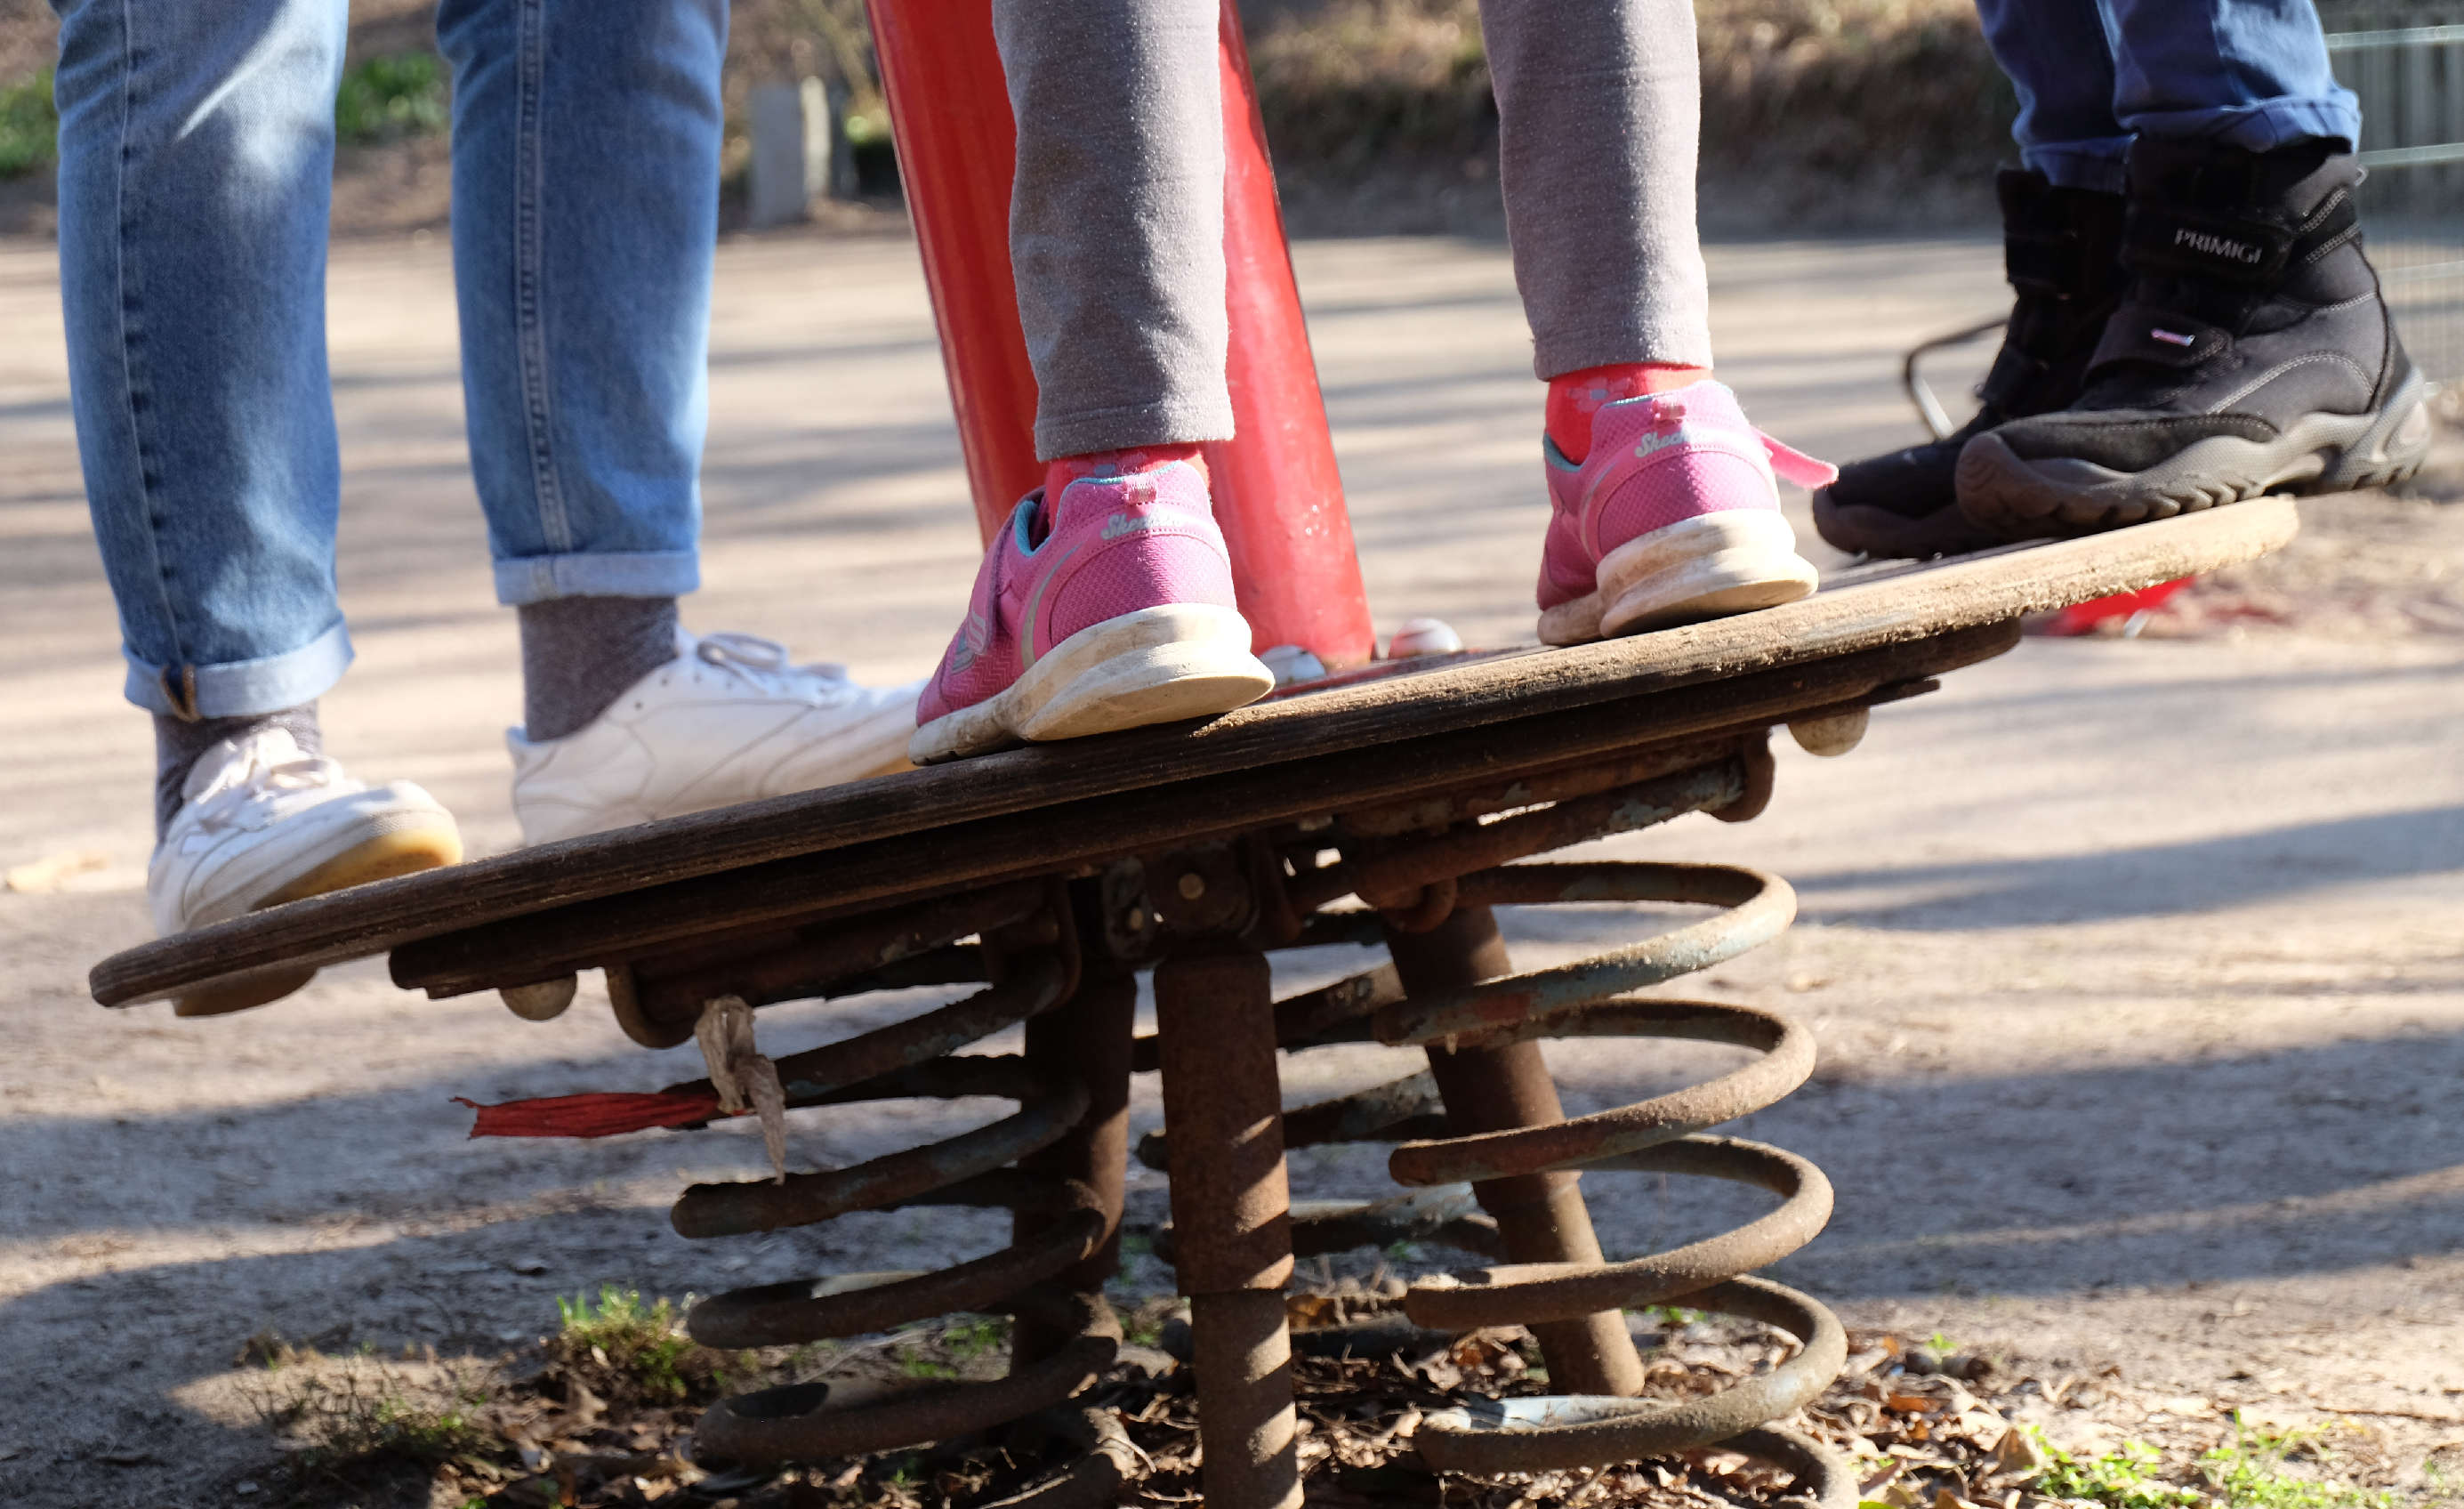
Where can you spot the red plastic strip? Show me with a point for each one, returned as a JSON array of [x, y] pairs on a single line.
[[596, 1115]]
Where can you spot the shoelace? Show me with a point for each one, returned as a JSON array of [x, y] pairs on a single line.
[[764, 663], [249, 783]]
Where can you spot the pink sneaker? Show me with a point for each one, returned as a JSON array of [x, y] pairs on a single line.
[[1120, 616], [1673, 517]]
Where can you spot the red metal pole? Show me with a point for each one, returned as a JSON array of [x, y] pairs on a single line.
[[957, 146], [1277, 494]]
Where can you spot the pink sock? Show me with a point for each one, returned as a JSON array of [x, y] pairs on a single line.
[[1573, 397], [1063, 470]]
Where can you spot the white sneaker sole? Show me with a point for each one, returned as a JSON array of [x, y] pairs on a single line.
[[400, 850], [1159, 665], [1731, 562]]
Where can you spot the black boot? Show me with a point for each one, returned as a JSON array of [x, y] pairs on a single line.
[[2254, 354], [2062, 248]]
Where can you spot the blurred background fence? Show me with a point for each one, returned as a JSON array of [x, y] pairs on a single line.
[[2405, 61]]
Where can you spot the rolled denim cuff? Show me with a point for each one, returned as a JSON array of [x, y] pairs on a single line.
[[2266, 126], [2097, 165], [539, 578], [242, 688]]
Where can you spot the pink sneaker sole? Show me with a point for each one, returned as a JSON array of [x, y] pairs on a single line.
[[1159, 665], [1707, 567]]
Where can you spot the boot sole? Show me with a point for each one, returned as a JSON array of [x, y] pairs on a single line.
[[1159, 665], [407, 851], [2320, 454], [1862, 530], [1711, 567]]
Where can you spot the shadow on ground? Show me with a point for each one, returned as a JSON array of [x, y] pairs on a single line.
[[2335, 1155]]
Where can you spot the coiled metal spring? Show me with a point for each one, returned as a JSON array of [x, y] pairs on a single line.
[[1663, 1134], [1058, 1223], [1431, 873]]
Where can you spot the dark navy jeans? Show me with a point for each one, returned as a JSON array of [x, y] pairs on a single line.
[[196, 168], [2091, 74]]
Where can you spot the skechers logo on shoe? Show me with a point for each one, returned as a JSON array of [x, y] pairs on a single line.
[[2226, 247], [1662, 439], [1122, 524]]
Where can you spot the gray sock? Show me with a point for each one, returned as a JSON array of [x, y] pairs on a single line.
[[178, 745], [580, 653]]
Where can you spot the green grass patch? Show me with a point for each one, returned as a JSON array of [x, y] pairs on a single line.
[[972, 1339], [639, 1340], [1134, 1245], [2124, 1478], [2249, 1474], [361, 1426], [29, 129], [390, 99], [932, 1350], [421, 1432]]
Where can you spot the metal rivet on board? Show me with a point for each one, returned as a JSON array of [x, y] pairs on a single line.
[[541, 1002]]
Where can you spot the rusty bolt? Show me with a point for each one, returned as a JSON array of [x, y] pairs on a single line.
[[541, 1002], [1209, 891], [1832, 734]]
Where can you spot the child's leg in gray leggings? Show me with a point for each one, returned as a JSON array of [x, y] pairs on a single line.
[[1116, 225], [1599, 105]]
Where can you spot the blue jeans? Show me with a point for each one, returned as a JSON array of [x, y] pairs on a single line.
[[2091, 74], [196, 168]]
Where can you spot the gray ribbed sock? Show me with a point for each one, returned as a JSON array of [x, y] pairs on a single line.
[[580, 653], [178, 745]]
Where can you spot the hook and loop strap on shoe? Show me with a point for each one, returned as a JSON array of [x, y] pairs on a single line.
[[2172, 239], [2014, 371], [2230, 247], [2053, 261]]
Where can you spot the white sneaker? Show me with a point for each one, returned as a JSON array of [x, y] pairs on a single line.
[[262, 822], [729, 719]]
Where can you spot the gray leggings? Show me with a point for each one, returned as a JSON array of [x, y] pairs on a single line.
[[1116, 225]]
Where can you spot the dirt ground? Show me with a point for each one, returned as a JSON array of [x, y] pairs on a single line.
[[2136, 962]]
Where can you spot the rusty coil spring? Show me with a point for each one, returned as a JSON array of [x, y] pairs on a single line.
[[1663, 1135], [1059, 1222]]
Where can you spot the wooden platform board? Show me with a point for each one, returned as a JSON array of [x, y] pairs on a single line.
[[538, 913]]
